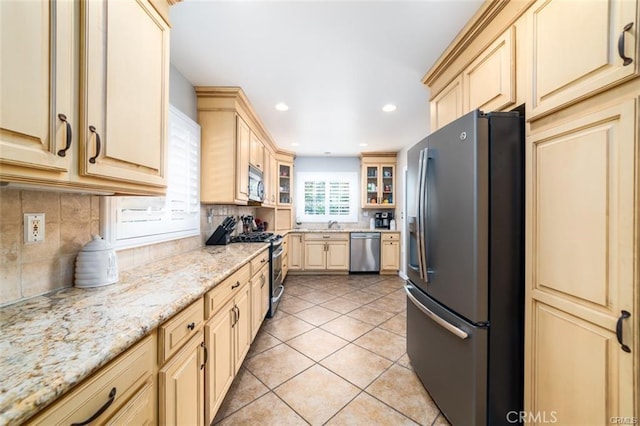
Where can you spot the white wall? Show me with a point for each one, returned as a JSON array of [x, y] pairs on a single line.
[[182, 94]]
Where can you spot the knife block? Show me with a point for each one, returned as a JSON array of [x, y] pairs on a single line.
[[220, 237]]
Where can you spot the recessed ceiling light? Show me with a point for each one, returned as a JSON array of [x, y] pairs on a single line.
[[327, 153], [295, 144], [281, 106], [389, 108], [364, 144]]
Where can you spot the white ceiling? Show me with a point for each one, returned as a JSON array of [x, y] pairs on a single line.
[[334, 63]]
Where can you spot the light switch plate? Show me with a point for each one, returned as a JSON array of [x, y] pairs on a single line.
[[33, 227]]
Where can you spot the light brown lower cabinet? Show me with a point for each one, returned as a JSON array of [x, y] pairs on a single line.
[[259, 298], [181, 384], [126, 386], [296, 254], [390, 253], [227, 338], [326, 252]]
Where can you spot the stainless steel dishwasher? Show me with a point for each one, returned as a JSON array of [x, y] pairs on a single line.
[[365, 252]]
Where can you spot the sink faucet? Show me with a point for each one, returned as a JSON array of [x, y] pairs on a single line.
[[331, 223]]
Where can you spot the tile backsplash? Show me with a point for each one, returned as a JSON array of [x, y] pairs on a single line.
[[28, 270]]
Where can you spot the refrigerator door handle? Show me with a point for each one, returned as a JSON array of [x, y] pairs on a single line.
[[442, 323], [418, 231], [422, 216]]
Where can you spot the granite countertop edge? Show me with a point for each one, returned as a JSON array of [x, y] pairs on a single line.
[[50, 343]]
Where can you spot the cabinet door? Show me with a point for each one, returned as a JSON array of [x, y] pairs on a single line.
[[575, 50], [257, 152], [295, 251], [273, 164], [578, 373], [490, 81], [390, 256], [182, 386], [37, 87], [447, 105], [219, 371], [243, 135], [338, 255], [371, 182], [581, 207], [284, 183], [125, 92], [242, 328], [386, 188], [139, 410], [315, 255]]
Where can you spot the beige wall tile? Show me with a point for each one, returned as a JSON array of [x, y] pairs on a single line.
[[74, 235], [95, 207], [39, 277], [48, 249], [75, 207], [67, 268], [10, 206], [42, 202], [125, 259], [10, 240], [9, 282]]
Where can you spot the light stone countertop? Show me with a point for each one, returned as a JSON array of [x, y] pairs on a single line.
[[334, 230], [50, 343]]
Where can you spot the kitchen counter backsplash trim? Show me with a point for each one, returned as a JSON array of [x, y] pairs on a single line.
[[50, 343]]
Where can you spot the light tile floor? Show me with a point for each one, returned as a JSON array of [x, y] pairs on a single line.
[[335, 354]]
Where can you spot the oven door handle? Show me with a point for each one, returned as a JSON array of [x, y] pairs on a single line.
[[277, 253], [275, 299]]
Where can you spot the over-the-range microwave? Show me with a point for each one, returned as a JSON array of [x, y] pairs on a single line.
[[256, 185]]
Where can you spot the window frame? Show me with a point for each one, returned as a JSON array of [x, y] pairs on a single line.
[[351, 177]]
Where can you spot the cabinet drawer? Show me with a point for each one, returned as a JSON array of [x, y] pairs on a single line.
[[215, 298], [259, 261], [325, 237], [390, 236], [140, 410], [117, 382], [179, 329]]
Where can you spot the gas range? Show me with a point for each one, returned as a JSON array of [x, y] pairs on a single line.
[[256, 237]]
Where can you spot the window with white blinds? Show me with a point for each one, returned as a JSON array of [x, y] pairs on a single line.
[[327, 196], [134, 221]]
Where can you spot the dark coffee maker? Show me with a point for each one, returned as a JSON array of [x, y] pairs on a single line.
[[383, 220]]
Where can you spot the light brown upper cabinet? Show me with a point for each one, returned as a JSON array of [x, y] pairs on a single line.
[[489, 82], [119, 138], [36, 92], [447, 105], [233, 137], [378, 172], [125, 101], [577, 51], [257, 153]]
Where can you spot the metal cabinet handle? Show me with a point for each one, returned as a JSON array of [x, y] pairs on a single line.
[[92, 160], [264, 280], [112, 397], [623, 315], [206, 354], [263, 260], [191, 326], [63, 152], [236, 285], [625, 59], [235, 319], [237, 310]]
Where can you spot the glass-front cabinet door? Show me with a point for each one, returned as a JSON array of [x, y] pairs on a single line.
[[379, 182], [284, 184]]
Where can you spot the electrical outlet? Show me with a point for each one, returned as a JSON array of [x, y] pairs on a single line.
[[33, 227]]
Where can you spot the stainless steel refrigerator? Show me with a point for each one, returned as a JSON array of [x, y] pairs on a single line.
[[465, 292]]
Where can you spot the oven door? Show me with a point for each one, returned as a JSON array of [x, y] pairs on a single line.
[[277, 288]]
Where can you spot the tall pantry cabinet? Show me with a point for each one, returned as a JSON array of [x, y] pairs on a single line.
[[575, 70], [87, 108]]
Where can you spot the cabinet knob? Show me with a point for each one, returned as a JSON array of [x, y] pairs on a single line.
[[236, 285], [191, 326]]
